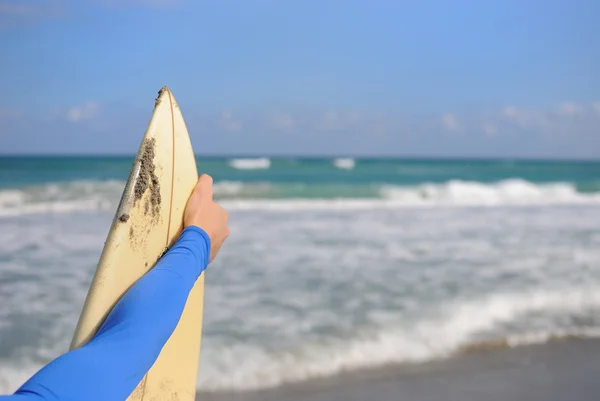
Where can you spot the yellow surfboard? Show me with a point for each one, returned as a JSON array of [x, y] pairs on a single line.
[[148, 220]]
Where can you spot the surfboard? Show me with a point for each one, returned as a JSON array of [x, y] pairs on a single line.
[[148, 220]]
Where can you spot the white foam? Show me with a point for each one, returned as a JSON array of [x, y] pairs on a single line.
[[13, 377], [344, 163], [231, 189], [10, 198], [104, 195], [228, 188], [513, 192], [250, 164], [60, 198], [506, 192], [290, 205], [55, 207], [241, 367]]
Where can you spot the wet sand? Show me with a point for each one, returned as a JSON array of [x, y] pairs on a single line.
[[559, 371]]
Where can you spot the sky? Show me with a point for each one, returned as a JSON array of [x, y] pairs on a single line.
[[517, 78]]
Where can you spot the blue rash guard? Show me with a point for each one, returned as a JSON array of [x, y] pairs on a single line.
[[111, 365]]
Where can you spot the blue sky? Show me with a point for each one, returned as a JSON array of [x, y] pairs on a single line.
[[517, 78]]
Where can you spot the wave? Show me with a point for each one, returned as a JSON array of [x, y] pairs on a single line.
[[499, 321], [250, 164], [60, 198], [503, 320], [513, 192], [104, 195], [505, 192], [344, 163]]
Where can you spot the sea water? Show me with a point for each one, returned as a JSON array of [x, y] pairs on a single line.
[[332, 265]]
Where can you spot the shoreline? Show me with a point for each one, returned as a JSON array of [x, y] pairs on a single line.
[[555, 371]]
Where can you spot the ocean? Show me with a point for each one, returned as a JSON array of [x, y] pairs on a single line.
[[332, 266]]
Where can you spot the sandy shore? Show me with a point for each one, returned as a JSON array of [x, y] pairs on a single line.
[[559, 371]]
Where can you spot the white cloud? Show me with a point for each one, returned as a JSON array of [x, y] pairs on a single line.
[[596, 107], [510, 111], [85, 112], [490, 129], [330, 121], [282, 121], [450, 122], [229, 123], [527, 118], [337, 120], [569, 109]]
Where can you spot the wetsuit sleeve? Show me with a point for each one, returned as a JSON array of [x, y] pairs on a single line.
[[111, 365]]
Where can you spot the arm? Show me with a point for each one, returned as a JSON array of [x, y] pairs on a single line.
[[111, 365]]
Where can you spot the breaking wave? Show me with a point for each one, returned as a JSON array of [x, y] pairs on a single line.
[[250, 164], [501, 320], [104, 195]]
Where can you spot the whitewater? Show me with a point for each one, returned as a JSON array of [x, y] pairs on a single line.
[[101, 195]]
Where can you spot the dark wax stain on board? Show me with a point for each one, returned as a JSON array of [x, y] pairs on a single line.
[[147, 176], [160, 92], [147, 179]]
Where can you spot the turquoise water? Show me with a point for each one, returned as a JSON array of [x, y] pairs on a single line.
[[303, 177]]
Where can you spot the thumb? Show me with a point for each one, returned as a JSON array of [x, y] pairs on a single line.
[[204, 187]]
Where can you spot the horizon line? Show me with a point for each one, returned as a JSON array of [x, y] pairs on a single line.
[[314, 156]]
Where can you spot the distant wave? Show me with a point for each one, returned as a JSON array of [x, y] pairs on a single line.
[[451, 193], [513, 192], [344, 163], [501, 320], [104, 195], [505, 192], [250, 164]]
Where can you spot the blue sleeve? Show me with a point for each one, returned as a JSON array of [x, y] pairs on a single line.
[[111, 365]]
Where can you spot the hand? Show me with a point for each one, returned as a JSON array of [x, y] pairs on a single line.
[[202, 211]]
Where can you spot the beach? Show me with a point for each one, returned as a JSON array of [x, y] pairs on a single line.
[[565, 370], [341, 279]]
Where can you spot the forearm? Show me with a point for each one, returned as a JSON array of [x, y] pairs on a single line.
[[151, 309], [111, 365]]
